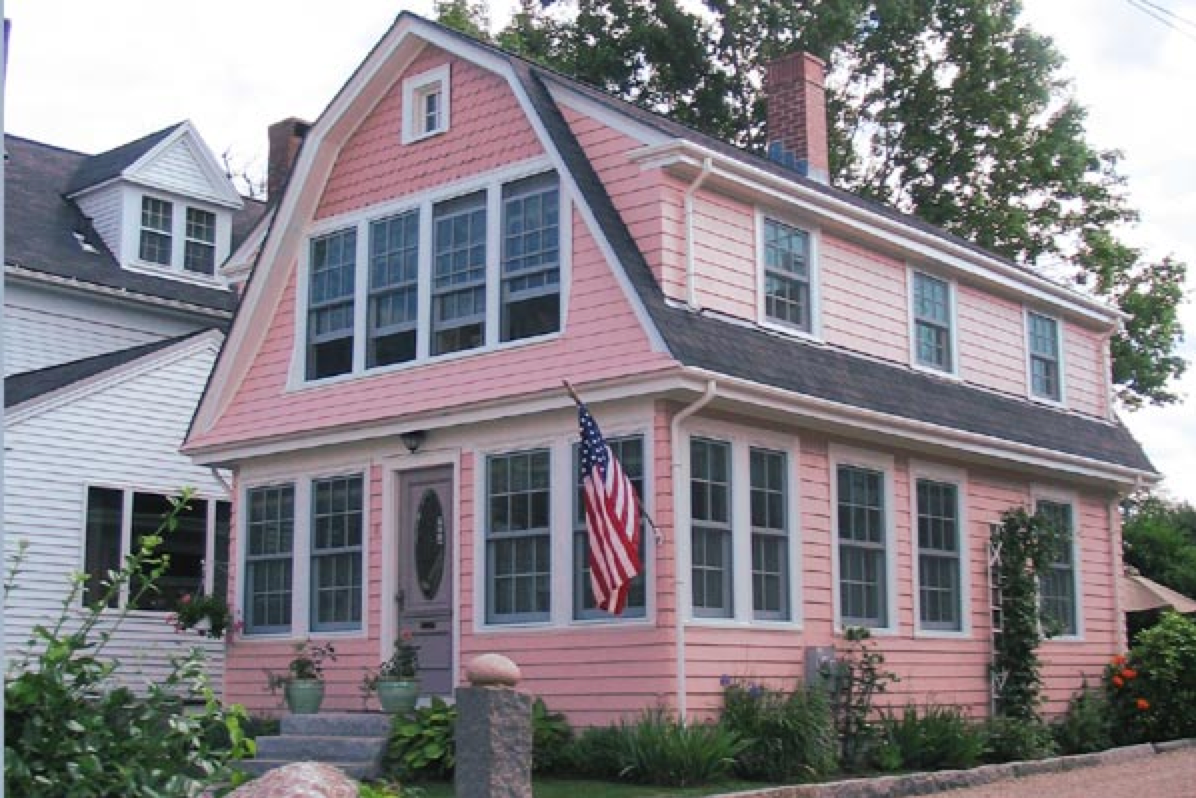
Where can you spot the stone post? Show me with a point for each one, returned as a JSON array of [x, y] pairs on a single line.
[[494, 732]]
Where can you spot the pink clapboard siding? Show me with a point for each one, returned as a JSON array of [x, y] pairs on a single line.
[[992, 341], [724, 255], [864, 300], [488, 130], [1084, 370]]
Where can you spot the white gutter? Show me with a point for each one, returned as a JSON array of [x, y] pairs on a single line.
[[680, 582], [691, 276], [124, 294]]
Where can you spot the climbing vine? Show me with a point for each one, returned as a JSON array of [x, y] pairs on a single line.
[[1025, 546]]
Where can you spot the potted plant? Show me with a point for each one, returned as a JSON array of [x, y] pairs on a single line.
[[303, 683], [207, 615], [397, 679]]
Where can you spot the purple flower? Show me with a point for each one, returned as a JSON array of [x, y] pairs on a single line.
[[755, 690], [725, 680]]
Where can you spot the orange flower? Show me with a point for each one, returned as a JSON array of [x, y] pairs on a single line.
[[1129, 674], [1143, 704], [1118, 682], [1118, 661]]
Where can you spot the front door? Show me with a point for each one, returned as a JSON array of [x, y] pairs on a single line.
[[425, 587]]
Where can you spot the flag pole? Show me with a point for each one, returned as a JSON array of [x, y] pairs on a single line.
[[656, 533]]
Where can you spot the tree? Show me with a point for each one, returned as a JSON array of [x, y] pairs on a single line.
[[948, 109], [1160, 541]]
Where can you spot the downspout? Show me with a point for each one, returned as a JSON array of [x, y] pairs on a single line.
[[680, 582], [1117, 551], [691, 278]]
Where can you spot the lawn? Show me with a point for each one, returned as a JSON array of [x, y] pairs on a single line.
[[573, 788]]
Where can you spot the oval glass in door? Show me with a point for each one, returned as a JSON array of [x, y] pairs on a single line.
[[430, 544]]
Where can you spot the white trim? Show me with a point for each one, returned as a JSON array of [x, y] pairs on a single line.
[[920, 469], [595, 109], [844, 455], [1029, 360], [124, 295], [415, 88], [953, 369], [813, 267], [1042, 492]]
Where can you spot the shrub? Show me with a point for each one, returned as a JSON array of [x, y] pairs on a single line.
[[551, 736], [933, 738], [1085, 727], [1153, 693], [856, 678], [787, 737], [658, 749], [1015, 739], [421, 744], [595, 753]]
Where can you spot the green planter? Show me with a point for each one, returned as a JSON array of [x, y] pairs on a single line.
[[397, 696], [304, 696]]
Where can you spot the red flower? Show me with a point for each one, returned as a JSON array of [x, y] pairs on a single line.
[[1129, 674], [1143, 704], [185, 599], [1118, 681], [1118, 661]]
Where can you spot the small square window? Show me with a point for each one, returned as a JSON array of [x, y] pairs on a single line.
[[426, 104]]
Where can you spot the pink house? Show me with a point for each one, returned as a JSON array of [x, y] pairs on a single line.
[[824, 403]]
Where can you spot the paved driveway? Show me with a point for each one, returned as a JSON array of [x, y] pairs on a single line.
[[1171, 775]]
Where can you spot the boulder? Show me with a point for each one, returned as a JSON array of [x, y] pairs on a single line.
[[492, 670], [299, 780]]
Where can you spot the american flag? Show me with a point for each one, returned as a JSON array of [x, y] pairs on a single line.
[[612, 518]]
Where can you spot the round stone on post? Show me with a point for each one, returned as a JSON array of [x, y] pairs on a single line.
[[494, 732]]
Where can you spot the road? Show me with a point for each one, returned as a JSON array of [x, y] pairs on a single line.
[[1170, 775]]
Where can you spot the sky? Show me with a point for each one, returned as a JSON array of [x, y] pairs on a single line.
[[91, 75]]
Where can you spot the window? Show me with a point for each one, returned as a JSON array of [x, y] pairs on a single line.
[[518, 540], [116, 522], [787, 295], [426, 104], [156, 226], [1044, 357], [1057, 587], [940, 602], [862, 550], [330, 305], [770, 535], [531, 257], [394, 280], [269, 556], [459, 274], [199, 254], [336, 567], [630, 454], [710, 517], [932, 322]]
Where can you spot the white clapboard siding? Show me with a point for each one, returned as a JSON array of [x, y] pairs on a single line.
[[121, 431], [104, 207], [44, 327], [177, 169]]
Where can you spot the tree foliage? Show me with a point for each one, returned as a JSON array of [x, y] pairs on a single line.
[[952, 110], [1160, 541]]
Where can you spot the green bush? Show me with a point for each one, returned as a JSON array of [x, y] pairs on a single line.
[[70, 732], [1085, 727], [856, 677], [421, 744], [658, 749], [1153, 694], [595, 753], [551, 736], [787, 737], [932, 738], [1015, 739]]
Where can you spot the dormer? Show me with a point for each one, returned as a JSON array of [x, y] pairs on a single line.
[[162, 205]]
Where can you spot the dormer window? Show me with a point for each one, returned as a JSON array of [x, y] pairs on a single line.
[[185, 242], [156, 224], [426, 104], [199, 254]]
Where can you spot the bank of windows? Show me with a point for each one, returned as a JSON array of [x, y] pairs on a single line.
[[118, 520], [1045, 372], [334, 575], [940, 589], [788, 280], [156, 242], [713, 569], [1057, 585], [528, 284], [863, 547], [932, 323]]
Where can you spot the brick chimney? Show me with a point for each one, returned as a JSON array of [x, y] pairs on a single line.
[[794, 87], [285, 138]]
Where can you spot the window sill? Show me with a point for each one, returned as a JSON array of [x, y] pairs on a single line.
[[171, 273], [742, 624], [932, 371], [431, 134], [942, 634], [790, 332]]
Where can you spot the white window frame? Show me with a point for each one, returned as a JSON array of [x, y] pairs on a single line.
[[958, 477], [1060, 345], [189, 239], [813, 246], [842, 455], [1058, 496], [131, 237], [301, 551], [952, 369], [415, 89], [243, 593], [742, 440], [492, 183]]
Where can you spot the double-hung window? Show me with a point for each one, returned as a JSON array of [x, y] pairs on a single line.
[[336, 553], [531, 258], [269, 558], [932, 322], [330, 304], [940, 595], [518, 537], [1057, 586], [787, 293], [770, 535], [199, 252], [710, 518], [157, 222], [394, 281], [1043, 332], [863, 589], [630, 454], [459, 274]]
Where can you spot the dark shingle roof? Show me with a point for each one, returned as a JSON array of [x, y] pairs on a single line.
[[97, 169], [41, 225], [20, 388]]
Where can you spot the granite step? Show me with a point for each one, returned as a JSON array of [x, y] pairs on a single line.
[[295, 748]]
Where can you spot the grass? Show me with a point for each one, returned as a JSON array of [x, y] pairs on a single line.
[[573, 788]]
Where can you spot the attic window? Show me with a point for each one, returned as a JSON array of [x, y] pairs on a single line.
[[426, 104], [199, 254], [156, 224]]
